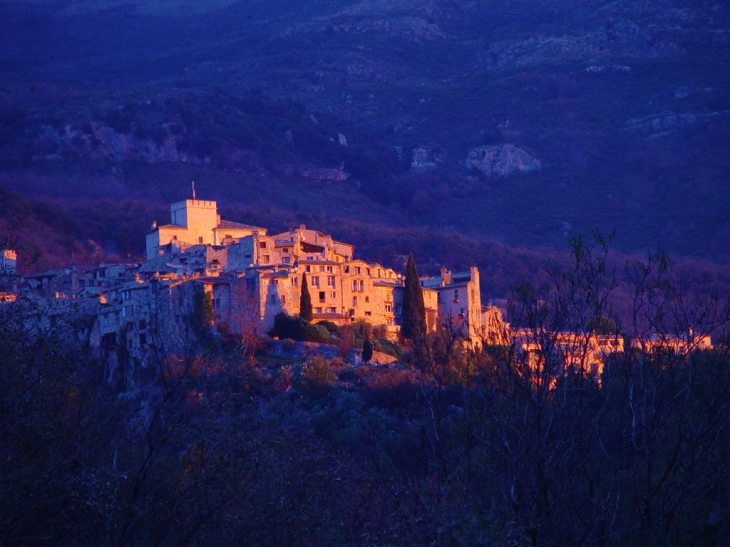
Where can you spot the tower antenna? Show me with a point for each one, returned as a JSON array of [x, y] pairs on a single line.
[[193, 190]]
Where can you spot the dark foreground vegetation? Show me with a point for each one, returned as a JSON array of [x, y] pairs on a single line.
[[459, 445]]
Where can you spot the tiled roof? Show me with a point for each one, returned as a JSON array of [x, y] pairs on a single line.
[[230, 225]]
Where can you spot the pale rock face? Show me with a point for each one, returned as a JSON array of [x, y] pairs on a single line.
[[501, 160], [425, 159]]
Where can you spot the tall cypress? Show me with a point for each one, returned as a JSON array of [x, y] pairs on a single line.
[[305, 301], [414, 312]]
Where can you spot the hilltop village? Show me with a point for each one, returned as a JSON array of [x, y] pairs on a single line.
[[249, 276]]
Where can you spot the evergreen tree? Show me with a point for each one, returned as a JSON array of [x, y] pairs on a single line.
[[414, 312], [305, 301], [367, 350]]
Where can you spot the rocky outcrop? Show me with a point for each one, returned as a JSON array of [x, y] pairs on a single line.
[[425, 158], [501, 160], [97, 140]]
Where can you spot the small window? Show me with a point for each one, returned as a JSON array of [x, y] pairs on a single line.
[[286, 249], [200, 240], [354, 300], [272, 299], [331, 310], [262, 245], [367, 299], [347, 269], [329, 269], [321, 268], [315, 282], [308, 269], [321, 296], [318, 310], [368, 314], [282, 299], [456, 295], [295, 281], [265, 259], [388, 308], [333, 295], [286, 259], [357, 269]]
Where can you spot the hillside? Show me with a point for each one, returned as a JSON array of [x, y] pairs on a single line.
[[620, 110]]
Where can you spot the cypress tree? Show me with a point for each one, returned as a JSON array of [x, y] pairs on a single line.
[[367, 350], [305, 301], [414, 312]]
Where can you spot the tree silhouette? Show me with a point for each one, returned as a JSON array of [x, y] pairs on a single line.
[[414, 313], [367, 350], [305, 301]]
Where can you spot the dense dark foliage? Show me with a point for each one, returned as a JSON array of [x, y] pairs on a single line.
[[465, 445], [414, 312]]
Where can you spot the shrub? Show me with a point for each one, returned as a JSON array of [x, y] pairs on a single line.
[[286, 326], [316, 333], [330, 326], [386, 346], [317, 377]]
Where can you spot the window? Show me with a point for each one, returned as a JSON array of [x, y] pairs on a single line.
[[347, 269], [272, 299], [286, 249], [262, 245], [315, 282], [368, 314], [216, 303], [329, 269], [321, 296], [282, 299], [354, 300], [367, 299], [367, 271], [389, 322], [331, 281], [276, 282], [332, 310], [456, 295], [358, 285], [333, 295], [310, 258], [318, 310], [200, 240], [388, 308], [286, 259], [265, 259], [295, 281], [308, 269], [357, 269]]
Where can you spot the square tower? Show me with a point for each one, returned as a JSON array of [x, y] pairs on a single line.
[[198, 216]]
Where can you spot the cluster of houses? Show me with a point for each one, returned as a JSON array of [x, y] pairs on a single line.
[[136, 311]]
